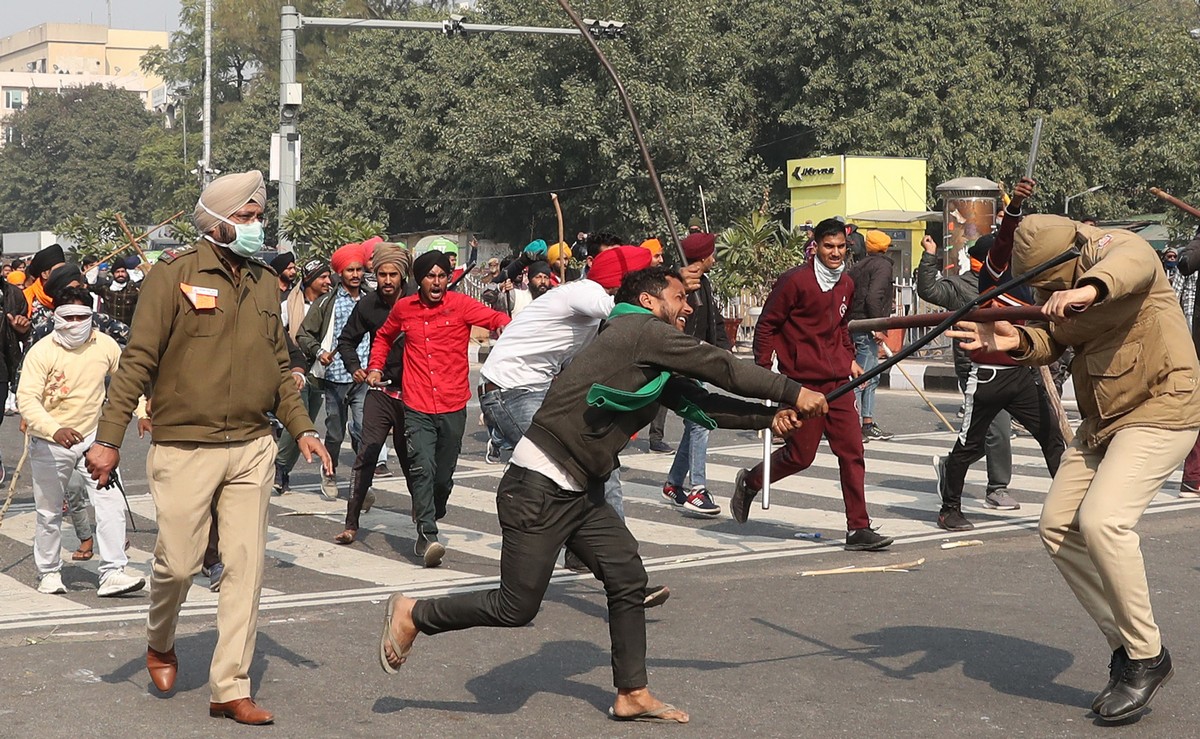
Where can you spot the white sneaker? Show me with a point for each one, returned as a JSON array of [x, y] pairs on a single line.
[[51, 584], [118, 582]]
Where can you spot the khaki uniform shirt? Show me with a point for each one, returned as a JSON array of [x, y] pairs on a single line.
[[1134, 360], [212, 349]]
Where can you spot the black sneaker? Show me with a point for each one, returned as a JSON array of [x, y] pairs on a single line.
[[866, 540], [954, 521], [656, 595], [874, 433], [381, 470], [1136, 687], [699, 500], [281, 481], [674, 494], [743, 496], [1116, 666], [661, 447]]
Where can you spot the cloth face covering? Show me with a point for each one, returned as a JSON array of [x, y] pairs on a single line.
[[72, 334], [249, 240], [826, 277]]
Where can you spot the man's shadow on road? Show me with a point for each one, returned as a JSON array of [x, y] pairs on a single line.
[[508, 687], [1009, 665], [195, 655]]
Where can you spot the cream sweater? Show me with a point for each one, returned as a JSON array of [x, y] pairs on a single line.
[[65, 388]]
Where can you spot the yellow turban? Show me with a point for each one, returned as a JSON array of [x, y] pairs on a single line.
[[654, 245], [877, 241], [558, 250], [226, 196]]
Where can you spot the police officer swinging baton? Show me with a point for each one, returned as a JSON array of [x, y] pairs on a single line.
[[953, 318]]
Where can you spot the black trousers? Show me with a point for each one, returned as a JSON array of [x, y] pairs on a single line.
[[658, 426], [382, 415], [990, 391], [536, 518]]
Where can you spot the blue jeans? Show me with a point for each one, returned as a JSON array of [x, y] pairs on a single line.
[[343, 405], [690, 457], [510, 412], [866, 353]]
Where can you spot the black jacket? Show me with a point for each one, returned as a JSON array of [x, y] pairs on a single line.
[[1189, 263], [873, 291], [629, 352], [367, 317], [13, 304], [706, 322]]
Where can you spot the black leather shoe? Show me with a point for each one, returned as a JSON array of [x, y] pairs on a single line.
[[1139, 682], [743, 495], [1116, 666]]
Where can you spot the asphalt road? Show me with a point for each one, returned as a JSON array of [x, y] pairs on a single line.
[[977, 641]]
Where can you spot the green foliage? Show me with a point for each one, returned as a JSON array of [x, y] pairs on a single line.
[[751, 253], [93, 235], [318, 230], [74, 152]]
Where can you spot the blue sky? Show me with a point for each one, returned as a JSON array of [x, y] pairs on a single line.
[[151, 15]]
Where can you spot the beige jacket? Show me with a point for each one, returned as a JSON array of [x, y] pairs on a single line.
[[1134, 360]]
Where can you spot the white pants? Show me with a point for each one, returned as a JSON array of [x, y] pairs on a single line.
[[51, 466]]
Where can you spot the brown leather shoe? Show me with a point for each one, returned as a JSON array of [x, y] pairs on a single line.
[[162, 667], [242, 710]]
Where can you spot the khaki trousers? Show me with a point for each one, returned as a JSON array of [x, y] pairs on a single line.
[[1087, 523], [185, 479]]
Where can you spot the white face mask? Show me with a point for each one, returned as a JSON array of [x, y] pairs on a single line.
[[72, 334], [249, 240]]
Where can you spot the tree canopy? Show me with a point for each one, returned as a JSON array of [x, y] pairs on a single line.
[[425, 132]]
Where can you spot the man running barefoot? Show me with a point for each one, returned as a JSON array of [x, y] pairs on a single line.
[[551, 493]]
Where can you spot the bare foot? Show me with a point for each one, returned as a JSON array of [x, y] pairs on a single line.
[[403, 630], [346, 537], [631, 702]]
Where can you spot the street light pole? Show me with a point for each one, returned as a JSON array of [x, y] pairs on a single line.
[[290, 93], [206, 164], [1069, 198]]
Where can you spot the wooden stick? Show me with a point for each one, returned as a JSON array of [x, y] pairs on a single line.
[[852, 570], [1185, 207], [925, 320], [961, 544], [1056, 405], [562, 265], [133, 242], [888, 351], [112, 254]]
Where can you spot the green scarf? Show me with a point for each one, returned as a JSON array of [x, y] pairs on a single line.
[[602, 396]]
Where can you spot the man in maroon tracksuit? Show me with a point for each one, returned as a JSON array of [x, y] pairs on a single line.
[[804, 325]]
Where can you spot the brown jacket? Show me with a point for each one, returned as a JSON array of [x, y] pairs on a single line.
[[1134, 361], [216, 372]]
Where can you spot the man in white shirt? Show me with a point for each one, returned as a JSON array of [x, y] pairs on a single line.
[[544, 337], [60, 396]]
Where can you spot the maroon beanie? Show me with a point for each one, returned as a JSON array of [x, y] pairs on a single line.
[[698, 246], [611, 265]]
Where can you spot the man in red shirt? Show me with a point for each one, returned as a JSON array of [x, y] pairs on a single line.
[[435, 387], [804, 326]]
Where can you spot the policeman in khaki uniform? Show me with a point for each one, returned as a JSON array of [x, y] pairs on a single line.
[[1136, 374], [207, 337]]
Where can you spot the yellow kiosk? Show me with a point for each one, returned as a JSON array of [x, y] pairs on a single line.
[[886, 193]]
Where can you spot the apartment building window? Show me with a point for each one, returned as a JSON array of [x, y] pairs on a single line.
[[14, 99]]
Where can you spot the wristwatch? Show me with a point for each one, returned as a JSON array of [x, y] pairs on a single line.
[[310, 435]]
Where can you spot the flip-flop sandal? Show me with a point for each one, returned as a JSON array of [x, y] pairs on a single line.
[[387, 640], [83, 555], [346, 537], [654, 716]]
